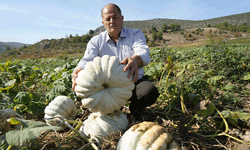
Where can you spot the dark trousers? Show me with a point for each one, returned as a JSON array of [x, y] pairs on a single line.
[[144, 94]]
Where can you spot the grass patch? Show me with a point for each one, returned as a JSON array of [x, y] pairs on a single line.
[[245, 40]]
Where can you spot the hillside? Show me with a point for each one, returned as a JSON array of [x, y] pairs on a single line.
[[11, 45], [77, 44], [185, 24]]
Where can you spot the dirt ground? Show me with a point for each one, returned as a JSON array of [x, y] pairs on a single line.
[[178, 39]]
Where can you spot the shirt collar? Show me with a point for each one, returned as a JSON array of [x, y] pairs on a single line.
[[123, 34]]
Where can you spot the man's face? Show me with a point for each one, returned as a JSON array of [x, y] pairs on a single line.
[[112, 20]]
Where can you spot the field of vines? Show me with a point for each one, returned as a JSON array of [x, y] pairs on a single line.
[[204, 97]]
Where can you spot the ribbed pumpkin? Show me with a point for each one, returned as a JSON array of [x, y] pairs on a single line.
[[103, 85], [147, 136], [61, 106], [100, 125]]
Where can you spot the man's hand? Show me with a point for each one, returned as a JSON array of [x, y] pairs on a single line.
[[75, 74], [132, 63]]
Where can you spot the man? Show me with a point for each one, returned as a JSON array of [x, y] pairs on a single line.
[[129, 45]]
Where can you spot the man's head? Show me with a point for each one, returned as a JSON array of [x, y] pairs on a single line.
[[112, 20]]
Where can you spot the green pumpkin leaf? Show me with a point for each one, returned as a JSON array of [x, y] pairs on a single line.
[[232, 120], [243, 115], [247, 77], [214, 80], [13, 121], [28, 83], [230, 87], [206, 112], [10, 83], [30, 131], [22, 98]]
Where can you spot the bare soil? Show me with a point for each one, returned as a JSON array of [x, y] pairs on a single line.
[[178, 39]]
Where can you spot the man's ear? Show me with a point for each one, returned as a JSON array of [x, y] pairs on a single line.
[[102, 22], [122, 18]]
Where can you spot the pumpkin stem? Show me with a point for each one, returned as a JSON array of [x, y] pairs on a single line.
[[105, 85]]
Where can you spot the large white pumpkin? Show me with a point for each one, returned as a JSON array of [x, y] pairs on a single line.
[[147, 136], [100, 125], [61, 106], [103, 85]]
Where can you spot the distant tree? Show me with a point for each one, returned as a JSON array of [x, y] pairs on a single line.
[[91, 32], [144, 31], [76, 39], [187, 35], [224, 24], [175, 27], [164, 27], [66, 40], [154, 35], [151, 43], [244, 24], [70, 36], [154, 29], [146, 37], [86, 38], [160, 35], [7, 48], [208, 25]]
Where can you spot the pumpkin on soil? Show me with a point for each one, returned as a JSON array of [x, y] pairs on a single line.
[[62, 106], [100, 125], [147, 136], [103, 85]]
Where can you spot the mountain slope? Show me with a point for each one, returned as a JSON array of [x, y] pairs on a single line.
[[185, 24], [12, 45]]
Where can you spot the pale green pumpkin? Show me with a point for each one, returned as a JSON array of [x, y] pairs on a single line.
[[62, 106], [100, 125], [147, 136], [103, 85]]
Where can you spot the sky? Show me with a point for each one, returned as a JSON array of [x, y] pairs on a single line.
[[30, 21]]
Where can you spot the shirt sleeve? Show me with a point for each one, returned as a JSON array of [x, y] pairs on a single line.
[[140, 47], [91, 52]]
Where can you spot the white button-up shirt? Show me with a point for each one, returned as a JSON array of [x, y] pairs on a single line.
[[131, 42]]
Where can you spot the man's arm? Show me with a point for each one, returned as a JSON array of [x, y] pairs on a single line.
[[74, 76], [140, 47], [90, 53], [132, 63], [140, 58]]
